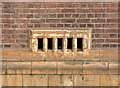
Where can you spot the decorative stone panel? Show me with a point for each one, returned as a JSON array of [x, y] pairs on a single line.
[[64, 34]]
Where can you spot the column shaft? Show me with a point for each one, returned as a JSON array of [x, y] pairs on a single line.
[[54, 44], [45, 43], [65, 44], [74, 44]]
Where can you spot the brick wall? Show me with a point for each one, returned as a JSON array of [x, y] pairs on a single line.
[[19, 18]]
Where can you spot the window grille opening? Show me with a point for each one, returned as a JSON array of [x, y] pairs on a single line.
[[40, 43], [79, 44], [69, 43], [49, 43], [59, 45]]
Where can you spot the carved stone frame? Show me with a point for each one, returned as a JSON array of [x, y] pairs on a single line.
[[50, 33]]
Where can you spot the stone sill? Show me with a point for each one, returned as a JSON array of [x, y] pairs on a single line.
[[65, 67], [28, 55]]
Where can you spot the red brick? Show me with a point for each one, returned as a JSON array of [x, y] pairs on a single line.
[[90, 5], [112, 20], [21, 41], [37, 6], [18, 6], [113, 15], [83, 10], [7, 31], [98, 20], [67, 25], [113, 36], [22, 25], [68, 10], [23, 11], [110, 10], [53, 25], [68, 15], [38, 10], [6, 6], [35, 25], [45, 15], [90, 15], [115, 25], [98, 30], [52, 5], [38, 21], [23, 36], [52, 15], [97, 10], [53, 10], [97, 15], [59, 25], [111, 31], [114, 45], [8, 41], [15, 36], [61, 5], [82, 25], [29, 16], [60, 15], [30, 25], [14, 31], [23, 21], [8, 11], [68, 5], [75, 25], [97, 35], [68, 20], [35, 11], [6, 16], [6, 36], [96, 45], [45, 25], [75, 15], [97, 5], [83, 20], [98, 40], [98, 25], [105, 5], [14, 15], [28, 5], [14, 26], [82, 15], [118, 35], [7, 26], [53, 20], [111, 40], [45, 5], [115, 5], [7, 21], [105, 15], [105, 35], [37, 15], [76, 5], [90, 25], [105, 45], [81, 5], [22, 15]]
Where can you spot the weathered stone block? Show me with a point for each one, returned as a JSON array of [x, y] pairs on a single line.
[[44, 67], [70, 67]]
